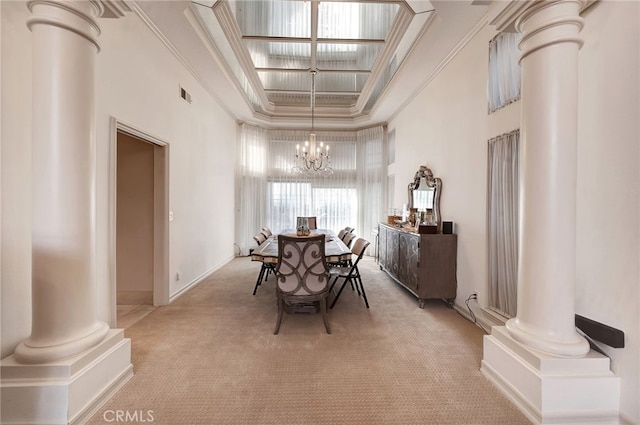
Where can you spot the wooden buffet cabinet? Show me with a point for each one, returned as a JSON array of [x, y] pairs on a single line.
[[425, 264]]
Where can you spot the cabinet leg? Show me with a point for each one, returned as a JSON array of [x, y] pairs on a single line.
[[420, 303]]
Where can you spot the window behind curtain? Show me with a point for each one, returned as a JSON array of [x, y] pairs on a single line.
[[503, 223], [332, 199], [503, 86]]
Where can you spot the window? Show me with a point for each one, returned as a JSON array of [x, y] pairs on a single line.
[[503, 86]]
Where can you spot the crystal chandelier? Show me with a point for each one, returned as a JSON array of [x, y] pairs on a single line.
[[314, 157]]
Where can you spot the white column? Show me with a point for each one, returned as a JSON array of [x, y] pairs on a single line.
[[546, 269], [63, 272]]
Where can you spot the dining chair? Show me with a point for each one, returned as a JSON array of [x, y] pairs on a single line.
[[341, 234], [260, 238], [349, 229], [350, 273], [348, 238], [302, 274], [266, 268], [309, 221], [266, 231]]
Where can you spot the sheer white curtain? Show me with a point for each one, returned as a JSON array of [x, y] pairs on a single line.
[[371, 178], [251, 181], [504, 70], [330, 198], [503, 222], [269, 194]]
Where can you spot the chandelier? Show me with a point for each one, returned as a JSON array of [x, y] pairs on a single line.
[[314, 157]]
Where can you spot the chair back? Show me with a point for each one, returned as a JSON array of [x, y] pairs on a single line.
[[309, 221], [359, 247], [341, 234], [349, 229], [348, 238], [266, 231], [302, 268], [260, 238]]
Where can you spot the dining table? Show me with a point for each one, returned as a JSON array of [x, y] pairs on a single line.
[[335, 250]]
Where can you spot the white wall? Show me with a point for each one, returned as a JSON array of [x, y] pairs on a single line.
[[137, 82], [608, 215], [447, 128]]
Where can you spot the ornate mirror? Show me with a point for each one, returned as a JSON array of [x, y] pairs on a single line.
[[424, 193]]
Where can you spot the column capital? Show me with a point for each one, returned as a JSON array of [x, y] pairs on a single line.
[[503, 14], [78, 17]]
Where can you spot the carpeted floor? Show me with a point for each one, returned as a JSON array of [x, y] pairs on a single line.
[[211, 358]]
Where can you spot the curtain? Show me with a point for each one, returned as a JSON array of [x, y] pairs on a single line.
[[371, 181], [251, 181], [504, 70], [270, 194], [503, 222], [330, 198]]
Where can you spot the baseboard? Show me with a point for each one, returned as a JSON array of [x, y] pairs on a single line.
[[480, 320], [134, 297], [95, 405], [199, 279]]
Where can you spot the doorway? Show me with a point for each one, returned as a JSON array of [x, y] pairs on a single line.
[[140, 223]]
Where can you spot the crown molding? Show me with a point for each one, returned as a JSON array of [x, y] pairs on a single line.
[[114, 8]]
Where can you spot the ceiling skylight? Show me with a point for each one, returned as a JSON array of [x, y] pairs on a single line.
[[276, 43]]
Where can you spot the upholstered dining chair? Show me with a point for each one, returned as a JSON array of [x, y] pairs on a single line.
[[309, 221], [350, 273], [266, 268], [302, 274]]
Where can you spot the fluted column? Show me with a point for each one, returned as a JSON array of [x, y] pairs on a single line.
[[547, 264], [65, 44]]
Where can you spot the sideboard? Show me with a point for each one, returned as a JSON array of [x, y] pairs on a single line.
[[425, 264]]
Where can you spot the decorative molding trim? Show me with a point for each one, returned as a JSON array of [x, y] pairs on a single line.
[[505, 13], [114, 8], [399, 29], [226, 19], [90, 32]]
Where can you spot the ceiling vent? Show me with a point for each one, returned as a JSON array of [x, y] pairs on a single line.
[[185, 95]]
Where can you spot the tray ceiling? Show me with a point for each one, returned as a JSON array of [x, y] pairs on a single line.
[[270, 48]]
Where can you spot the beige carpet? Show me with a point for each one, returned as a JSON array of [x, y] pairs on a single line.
[[211, 358]]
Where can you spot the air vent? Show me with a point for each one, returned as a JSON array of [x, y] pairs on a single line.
[[185, 95]]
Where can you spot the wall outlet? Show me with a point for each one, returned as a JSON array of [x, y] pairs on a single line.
[[475, 296]]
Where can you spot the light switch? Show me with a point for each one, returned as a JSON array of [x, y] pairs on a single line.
[[170, 215]]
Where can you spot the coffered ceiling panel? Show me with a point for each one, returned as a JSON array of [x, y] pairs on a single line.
[[273, 46]]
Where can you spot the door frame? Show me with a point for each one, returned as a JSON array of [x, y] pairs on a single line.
[[160, 211]]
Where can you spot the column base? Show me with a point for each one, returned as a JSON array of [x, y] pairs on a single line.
[[68, 391], [549, 389]]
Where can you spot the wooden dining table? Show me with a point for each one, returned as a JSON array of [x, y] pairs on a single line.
[[334, 249]]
